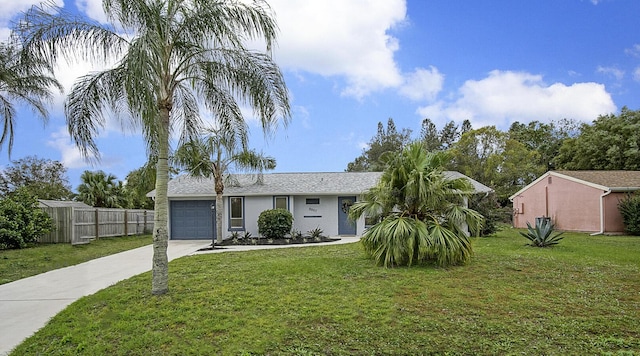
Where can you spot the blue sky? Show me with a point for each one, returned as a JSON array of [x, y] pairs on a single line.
[[352, 63]]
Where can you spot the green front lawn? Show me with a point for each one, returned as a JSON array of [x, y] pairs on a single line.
[[580, 297], [17, 264]]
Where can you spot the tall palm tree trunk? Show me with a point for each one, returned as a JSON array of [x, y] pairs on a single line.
[[160, 275], [219, 207]]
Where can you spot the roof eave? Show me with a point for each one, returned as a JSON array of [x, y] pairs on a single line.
[[624, 189], [529, 185]]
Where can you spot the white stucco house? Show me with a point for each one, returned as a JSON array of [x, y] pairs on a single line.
[[316, 200]]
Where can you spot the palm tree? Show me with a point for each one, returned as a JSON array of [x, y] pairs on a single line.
[[25, 80], [421, 214], [141, 181], [214, 155], [99, 189], [175, 55]]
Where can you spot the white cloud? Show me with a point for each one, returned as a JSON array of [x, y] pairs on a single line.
[[633, 51], [505, 96], [71, 156], [341, 38], [67, 73], [422, 84], [11, 8], [302, 114], [614, 72], [636, 74], [93, 9]]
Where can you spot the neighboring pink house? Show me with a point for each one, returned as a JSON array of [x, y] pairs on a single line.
[[576, 200]]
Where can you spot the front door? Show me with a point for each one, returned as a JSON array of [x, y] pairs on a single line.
[[345, 226]]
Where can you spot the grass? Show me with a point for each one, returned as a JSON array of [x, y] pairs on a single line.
[[17, 264], [580, 297]]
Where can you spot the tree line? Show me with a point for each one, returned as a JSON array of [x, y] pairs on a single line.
[[47, 179], [508, 160]]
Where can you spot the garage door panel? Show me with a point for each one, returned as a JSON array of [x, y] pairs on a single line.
[[192, 220]]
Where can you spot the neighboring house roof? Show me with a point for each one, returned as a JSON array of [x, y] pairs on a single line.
[[289, 184], [615, 181], [61, 204]]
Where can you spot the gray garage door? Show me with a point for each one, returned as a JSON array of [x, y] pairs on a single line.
[[192, 220]]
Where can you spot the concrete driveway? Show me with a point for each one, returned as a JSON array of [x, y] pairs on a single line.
[[27, 304]]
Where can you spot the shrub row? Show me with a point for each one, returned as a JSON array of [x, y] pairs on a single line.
[[21, 220]]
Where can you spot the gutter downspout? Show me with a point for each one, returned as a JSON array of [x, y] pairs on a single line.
[[609, 191]]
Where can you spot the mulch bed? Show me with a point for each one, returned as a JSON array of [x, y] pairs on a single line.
[[264, 241]]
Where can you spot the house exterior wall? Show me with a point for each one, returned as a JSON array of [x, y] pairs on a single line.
[[613, 221], [324, 215], [306, 217], [572, 206], [253, 206]]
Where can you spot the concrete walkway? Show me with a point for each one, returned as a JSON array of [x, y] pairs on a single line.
[[26, 305]]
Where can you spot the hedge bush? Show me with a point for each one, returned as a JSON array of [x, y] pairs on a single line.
[[630, 209], [275, 223], [489, 208], [21, 220]]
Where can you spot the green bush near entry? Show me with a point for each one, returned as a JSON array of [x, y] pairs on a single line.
[[275, 223]]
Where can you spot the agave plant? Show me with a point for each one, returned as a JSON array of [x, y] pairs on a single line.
[[316, 234], [541, 235]]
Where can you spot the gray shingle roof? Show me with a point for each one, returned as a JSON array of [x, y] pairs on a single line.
[[610, 179], [289, 184]]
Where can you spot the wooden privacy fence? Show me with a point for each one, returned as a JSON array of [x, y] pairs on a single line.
[[81, 225]]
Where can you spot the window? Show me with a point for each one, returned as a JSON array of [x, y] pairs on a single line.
[[369, 221], [281, 203], [236, 213], [313, 201]]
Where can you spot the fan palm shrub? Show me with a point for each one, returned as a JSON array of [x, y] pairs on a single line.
[[100, 189], [422, 216]]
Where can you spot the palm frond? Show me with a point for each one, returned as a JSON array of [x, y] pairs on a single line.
[[449, 248], [48, 31], [25, 80]]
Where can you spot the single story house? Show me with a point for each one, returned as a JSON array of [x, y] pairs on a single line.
[[316, 200], [576, 200]]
